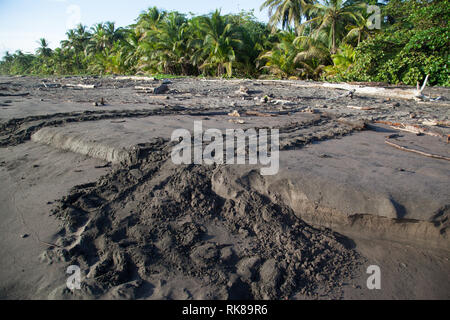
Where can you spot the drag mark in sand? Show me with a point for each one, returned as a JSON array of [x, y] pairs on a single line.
[[145, 224]]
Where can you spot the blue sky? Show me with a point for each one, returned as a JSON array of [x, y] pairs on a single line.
[[24, 22]]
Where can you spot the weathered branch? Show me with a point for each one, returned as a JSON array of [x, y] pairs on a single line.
[[417, 151]]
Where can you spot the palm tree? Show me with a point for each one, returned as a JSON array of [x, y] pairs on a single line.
[[70, 43], [6, 63], [104, 35], [331, 17], [63, 62], [196, 37], [103, 46], [76, 47], [77, 39], [43, 51], [311, 69], [170, 52], [287, 12], [280, 61], [83, 36], [358, 30], [301, 56], [149, 21], [256, 38], [147, 28], [8, 57], [342, 61], [129, 51], [312, 48], [220, 41], [23, 63]]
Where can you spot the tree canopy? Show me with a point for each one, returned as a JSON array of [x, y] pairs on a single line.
[[305, 39]]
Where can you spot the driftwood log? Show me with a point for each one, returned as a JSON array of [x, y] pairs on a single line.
[[436, 156]]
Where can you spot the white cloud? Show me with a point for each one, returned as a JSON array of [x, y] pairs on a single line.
[[74, 18]]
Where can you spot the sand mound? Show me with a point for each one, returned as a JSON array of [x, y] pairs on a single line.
[[156, 221], [298, 193], [81, 144]]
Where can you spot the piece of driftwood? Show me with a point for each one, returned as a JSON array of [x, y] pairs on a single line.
[[259, 114], [51, 85], [283, 102], [415, 94], [431, 123], [82, 86], [14, 94], [434, 123], [419, 91], [351, 89], [235, 113], [243, 91], [238, 121], [141, 88], [392, 93], [436, 156], [152, 90], [434, 104], [159, 97], [361, 108], [410, 128], [135, 78]]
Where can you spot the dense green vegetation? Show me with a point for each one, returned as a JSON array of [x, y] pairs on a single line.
[[306, 39]]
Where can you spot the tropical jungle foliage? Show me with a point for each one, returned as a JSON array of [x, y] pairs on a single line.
[[332, 40]]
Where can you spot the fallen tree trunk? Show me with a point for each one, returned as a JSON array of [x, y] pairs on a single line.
[[354, 89]]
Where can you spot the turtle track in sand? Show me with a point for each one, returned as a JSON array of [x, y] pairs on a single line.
[[19, 130], [154, 220]]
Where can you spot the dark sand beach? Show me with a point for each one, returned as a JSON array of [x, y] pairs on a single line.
[[87, 179]]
